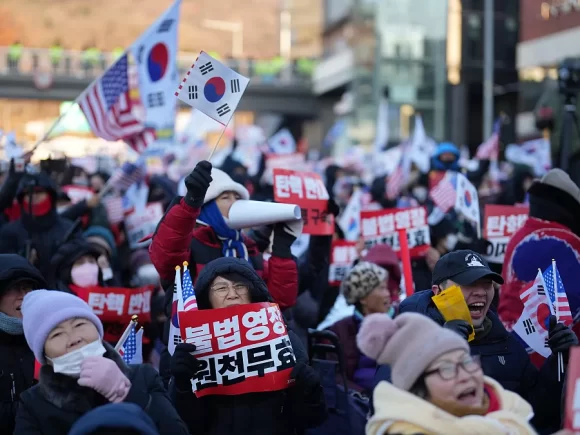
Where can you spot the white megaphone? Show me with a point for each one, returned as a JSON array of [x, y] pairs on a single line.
[[247, 214]]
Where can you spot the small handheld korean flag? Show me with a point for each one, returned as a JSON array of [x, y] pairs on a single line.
[[282, 142], [212, 88], [467, 200]]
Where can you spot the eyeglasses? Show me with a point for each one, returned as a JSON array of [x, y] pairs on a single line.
[[449, 371], [223, 290]]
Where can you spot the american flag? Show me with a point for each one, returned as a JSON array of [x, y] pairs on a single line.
[[128, 174], [489, 149], [557, 294], [188, 292], [114, 207], [444, 194], [108, 107], [131, 350], [400, 175]]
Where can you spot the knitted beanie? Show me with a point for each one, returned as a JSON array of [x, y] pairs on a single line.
[[222, 182], [409, 344], [43, 310], [362, 280]]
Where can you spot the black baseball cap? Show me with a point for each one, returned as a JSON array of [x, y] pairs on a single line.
[[464, 268]]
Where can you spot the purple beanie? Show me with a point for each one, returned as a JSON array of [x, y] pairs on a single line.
[[409, 344], [43, 310]]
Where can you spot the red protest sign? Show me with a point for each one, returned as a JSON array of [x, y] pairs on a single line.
[[382, 226], [499, 224], [307, 190], [243, 349], [117, 304], [342, 255], [572, 418], [77, 193]]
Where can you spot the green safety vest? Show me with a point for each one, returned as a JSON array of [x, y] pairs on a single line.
[[92, 55], [263, 68], [15, 52], [55, 53], [214, 54], [117, 53], [306, 66], [277, 64]]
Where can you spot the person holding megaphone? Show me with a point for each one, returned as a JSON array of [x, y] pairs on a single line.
[[197, 228]]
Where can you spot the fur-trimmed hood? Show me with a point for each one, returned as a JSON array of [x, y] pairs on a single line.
[[65, 393]]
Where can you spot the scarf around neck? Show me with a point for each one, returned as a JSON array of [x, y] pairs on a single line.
[[11, 325], [232, 241]]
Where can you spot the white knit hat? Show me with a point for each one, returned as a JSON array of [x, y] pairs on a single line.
[[221, 183]]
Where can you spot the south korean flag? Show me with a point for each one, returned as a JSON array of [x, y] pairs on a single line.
[[212, 88]]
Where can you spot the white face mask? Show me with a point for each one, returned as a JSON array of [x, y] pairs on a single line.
[[451, 242], [70, 363], [420, 193]]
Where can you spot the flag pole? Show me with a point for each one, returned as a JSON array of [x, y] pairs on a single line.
[[555, 281], [131, 325], [55, 123], [218, 141]]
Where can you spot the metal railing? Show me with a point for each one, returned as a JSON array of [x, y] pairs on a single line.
[[72, 64]]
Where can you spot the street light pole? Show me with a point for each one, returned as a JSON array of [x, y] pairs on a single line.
[[488, 67]]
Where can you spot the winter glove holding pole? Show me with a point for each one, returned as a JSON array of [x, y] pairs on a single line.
[[461, 327], [286, 233], [197, 183], [560, 337], [184, 366]]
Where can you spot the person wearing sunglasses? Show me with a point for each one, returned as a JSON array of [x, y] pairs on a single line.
[[437, 387]]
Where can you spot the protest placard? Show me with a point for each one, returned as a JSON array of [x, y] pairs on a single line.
[[77, 193], [500, 223], [307, 190], [242, 349], [382, 226], [342, 255], [139, 224], [117, 304]]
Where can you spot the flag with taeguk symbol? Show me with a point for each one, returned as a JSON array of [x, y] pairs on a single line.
[[174, 333], [212, 88], [188, 292], [557, 295], [131, 350]]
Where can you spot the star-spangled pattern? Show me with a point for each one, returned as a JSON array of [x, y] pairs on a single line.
[[557, 295], [188, 292], [129, 348]]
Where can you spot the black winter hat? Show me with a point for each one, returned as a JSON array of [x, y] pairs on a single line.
[[225, 266]]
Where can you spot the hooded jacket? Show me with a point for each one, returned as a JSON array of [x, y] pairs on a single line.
[[17, 360], [42, 233], [57, 402], [285, 412], [402, 413], [115, 416]]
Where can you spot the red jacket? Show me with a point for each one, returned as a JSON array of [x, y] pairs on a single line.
[[177, 240], [531, 248]]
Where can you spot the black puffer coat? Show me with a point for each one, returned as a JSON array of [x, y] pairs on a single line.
[[286, 412]]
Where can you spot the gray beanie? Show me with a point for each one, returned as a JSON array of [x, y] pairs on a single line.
[[362, 280]]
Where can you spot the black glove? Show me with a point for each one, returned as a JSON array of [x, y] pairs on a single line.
[[333, 208], [197, 183], [184, 365], [261, 235], [560, 337], [307, 381], [461, 327], [285, 233]]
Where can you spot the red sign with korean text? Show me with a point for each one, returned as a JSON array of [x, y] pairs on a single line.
[[243, 349], [499, 225], [572, 418], [382, 226], [117, 304], [77, 193], [342, 255], [307, 190]]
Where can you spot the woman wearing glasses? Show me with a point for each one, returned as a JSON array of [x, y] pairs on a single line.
[[224, 283], [437, 386]]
